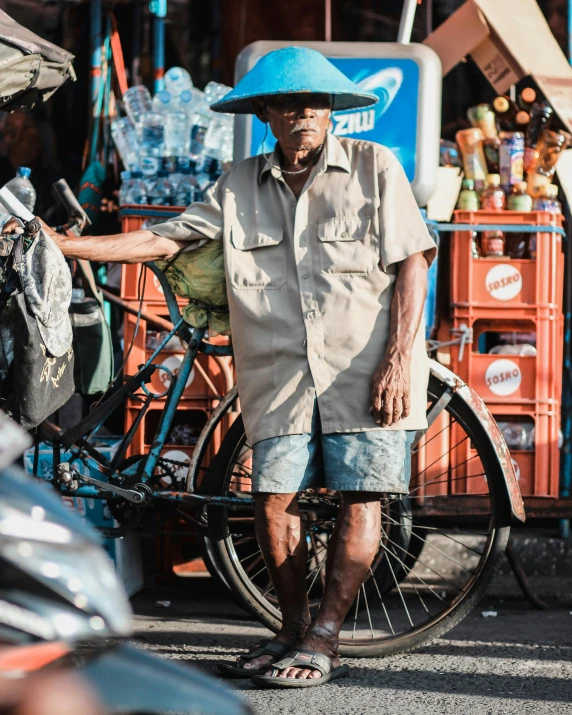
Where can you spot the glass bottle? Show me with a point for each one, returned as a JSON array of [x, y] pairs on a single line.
[[493, 197], [540, 117], [506, 111], [482, 117], [492, 243], [468, 198], [527, 99], [516, 244]]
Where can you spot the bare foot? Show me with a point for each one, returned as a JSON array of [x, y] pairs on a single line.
[[317, 640]]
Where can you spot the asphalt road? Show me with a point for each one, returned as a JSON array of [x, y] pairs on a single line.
[[518, 662]]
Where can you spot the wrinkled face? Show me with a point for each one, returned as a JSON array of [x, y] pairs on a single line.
[[298, 121]]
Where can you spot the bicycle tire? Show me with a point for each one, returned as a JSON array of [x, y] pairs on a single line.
[[249, 593]]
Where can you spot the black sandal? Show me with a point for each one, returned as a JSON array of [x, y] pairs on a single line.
[[266, 647], [302, 659]]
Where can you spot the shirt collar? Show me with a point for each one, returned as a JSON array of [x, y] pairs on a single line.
[[335, 156]]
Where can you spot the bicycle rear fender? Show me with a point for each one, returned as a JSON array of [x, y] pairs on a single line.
[[468, 395]]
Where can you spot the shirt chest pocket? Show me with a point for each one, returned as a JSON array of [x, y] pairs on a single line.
[[348, 246], [258, 258]]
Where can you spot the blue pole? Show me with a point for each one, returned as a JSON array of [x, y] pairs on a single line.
[[158, 8]]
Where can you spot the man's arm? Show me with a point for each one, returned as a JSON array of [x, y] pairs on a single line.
[[133, 247], [391, 382]]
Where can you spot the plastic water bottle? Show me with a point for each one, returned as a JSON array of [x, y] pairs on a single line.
[[137, 101], [137, 189], [177, 134], [124, 188], [126, 142], [22, 188], [187, 190], [152, 136], [215, 91], [164, 101], [199, 124], [178, 80], [162, 192], [219, 137], [191, 100]]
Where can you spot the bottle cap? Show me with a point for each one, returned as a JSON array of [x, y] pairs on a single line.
[[23, 171], [493, 179], [520, 186], [522, 118], [501, 104], [528, 95], [164, 96], [468, 184]]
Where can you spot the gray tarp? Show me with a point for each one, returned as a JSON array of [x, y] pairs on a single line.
[[31, 69]]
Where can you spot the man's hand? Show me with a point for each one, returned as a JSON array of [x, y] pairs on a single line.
[[13, 227], [390, 390]]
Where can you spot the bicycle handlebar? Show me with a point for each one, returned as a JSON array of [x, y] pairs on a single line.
[[70, 203]]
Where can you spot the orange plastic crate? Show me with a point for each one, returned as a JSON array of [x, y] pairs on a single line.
[[430, 460], [482, 284]]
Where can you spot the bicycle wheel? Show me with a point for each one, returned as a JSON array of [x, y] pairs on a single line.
[[440, 547]]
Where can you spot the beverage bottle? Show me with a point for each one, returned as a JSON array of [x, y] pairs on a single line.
[[516, 244], [137, 101], [126, 142], [555, 206], [468, 197], [177, 80], [522, 119], [492, 243], [137, 189], [199, 124], [191, 100], [493, 197], [177, 134], [527, 99], [511, 159], [540, 117], [470, 143], [515, 435], [22, 187], [152, 141], [506, 111], [161, 192], [549, 147], [218, 138], [482, 117], [124, 188], [215, 91], [164, 102], [187, 190]]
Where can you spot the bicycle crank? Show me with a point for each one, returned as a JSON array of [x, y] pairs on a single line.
[[70, 477]]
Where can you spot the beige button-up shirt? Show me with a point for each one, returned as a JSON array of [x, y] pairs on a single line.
[[310, 283]]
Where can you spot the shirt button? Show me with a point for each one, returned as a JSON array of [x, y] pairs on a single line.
[[306, 276], [345, 234], [302, 241], [314, 356]]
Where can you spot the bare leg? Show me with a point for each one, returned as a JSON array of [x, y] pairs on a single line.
[[282, 539], [353, 547]]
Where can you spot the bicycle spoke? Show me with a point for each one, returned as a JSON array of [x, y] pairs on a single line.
[[355, 616], [254, 553], [434, 436], [400, 593], [382, 603], [244, 540], [415, 589], [367, 609], [319, 568]]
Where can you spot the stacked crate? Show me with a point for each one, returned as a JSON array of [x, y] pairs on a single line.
[[504, 295], [210, 379]]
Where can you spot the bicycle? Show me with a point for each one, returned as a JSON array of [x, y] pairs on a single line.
[[441, 544]]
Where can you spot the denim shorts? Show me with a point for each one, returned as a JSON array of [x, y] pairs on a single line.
[[372, 461]]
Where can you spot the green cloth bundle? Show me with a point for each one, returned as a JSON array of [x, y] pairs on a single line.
[[199, 276]]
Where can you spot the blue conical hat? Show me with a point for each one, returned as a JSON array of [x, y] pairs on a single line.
[[294, 70]]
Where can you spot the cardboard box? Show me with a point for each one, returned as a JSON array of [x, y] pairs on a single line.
[[508, 39]]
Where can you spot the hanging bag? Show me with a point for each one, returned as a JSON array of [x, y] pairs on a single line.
[[92, 343], [40, 382]]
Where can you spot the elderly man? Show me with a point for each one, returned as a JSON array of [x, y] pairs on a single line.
[[326, 258]]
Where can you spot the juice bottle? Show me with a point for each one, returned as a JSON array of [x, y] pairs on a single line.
[[470, 143], [468, 198], [492, 243], [506, 111], [493, 198], [549, 147], [482, 117]]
